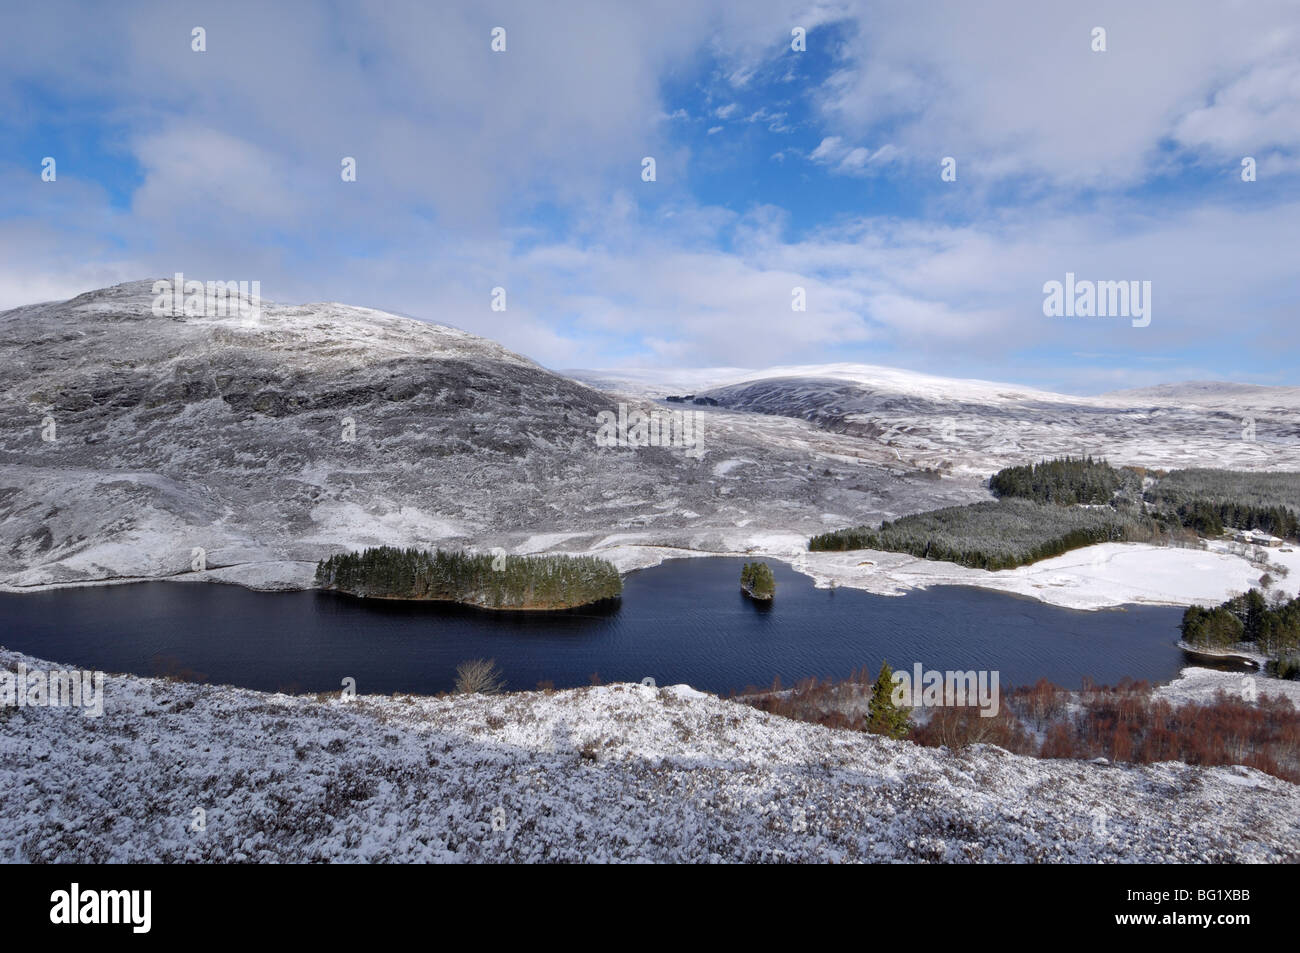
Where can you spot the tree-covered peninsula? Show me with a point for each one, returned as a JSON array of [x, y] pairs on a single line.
[[1058, 505], [491, 582]]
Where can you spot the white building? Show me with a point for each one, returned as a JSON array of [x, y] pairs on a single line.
[[1256, 536]]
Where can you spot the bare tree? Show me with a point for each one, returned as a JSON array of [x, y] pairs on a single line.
[[479, 676]]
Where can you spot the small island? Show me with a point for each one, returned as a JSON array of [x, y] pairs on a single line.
[[757, 582], [486, 581]]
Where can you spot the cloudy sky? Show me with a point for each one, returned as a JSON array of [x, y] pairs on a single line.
[[774, 169]]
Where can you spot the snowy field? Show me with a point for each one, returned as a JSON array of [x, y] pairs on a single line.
[[622, 773], [1096, 577]]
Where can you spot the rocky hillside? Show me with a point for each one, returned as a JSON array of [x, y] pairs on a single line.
[[615, 773]]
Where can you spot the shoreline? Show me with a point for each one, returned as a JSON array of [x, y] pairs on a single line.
[[466, 604], [1250, 658], [1102, 576]]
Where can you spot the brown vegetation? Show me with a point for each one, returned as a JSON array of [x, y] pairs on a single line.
[[1123, 724]]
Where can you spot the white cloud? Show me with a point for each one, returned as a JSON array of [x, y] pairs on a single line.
[[457, 147], [1258, 111], [1013, 88], [831, 145], [852, 160]]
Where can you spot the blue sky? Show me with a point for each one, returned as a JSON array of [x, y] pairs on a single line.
[[776, 169]]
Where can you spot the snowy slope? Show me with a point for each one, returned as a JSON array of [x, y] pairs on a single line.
[[616, 773], [982, 426], [987, 430], [1213, 393], [659, 382]]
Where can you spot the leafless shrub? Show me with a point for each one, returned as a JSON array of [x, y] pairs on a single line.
[[479, 676]]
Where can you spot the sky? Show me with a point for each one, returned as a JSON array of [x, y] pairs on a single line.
[[775, 169]]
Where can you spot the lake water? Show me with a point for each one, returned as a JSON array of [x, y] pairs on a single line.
[[684, 621]]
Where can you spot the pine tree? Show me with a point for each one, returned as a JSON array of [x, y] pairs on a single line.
[[883, 716]]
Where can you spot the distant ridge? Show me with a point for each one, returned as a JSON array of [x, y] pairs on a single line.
[[1209, 392]]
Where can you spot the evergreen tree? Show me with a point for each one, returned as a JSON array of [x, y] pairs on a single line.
[[1211, 501], [995, 535], [1274, 630], [883, 716], [1066, 481]]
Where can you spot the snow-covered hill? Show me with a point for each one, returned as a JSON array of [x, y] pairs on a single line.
[[615, 773], [984, 425], [231, 436]]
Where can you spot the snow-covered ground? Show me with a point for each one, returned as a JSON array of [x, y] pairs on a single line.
[[1096, 577], [1199, 686], [615, 773]]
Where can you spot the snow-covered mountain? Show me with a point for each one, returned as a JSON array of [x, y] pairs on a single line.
[[230, 435]]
